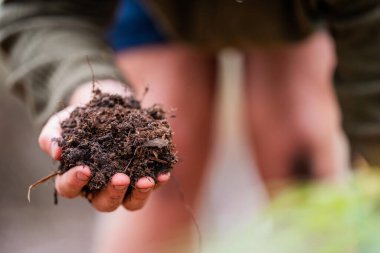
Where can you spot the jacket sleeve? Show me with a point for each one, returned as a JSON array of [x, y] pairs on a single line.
[[355, 27], [46, 45]]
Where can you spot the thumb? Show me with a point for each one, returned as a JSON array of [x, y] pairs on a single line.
[[51, 132]]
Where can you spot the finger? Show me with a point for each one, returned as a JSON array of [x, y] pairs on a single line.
[[162, 179], [70, 184], [140, 194], [52, 131], [112, 196]]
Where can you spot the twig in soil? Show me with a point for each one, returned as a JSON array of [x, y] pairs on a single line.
[[92, 74], [129, 163], [158, 160], [42, 180]]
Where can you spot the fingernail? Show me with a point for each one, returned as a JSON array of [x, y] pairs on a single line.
[[81, 176], [164, 177], [120, 187], [144, 189]]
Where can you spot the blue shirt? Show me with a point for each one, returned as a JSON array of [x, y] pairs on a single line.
[[133, 26]]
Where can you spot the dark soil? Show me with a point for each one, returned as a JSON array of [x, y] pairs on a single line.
[[114, 134]]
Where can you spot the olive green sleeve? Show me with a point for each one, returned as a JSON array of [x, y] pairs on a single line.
[[46, 45], [355, 27]]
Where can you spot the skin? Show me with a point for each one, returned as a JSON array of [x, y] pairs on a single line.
[[69, 184], [288, 94], [291, 108], [305, 97], [174, 74], [183, 79]]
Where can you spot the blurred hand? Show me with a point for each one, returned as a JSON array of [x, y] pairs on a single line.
[[70, 183]]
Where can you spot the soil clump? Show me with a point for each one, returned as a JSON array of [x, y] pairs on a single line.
[[113, 134]]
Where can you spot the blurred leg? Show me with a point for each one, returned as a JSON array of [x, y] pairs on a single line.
[[292, 111], [183, 80]]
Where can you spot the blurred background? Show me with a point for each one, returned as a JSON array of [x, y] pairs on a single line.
[[317, 219], [40, 226]]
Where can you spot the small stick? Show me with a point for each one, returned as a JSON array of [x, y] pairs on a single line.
[[158, 160], [92, 73], [129, 163], [42, 180], [55, 197]]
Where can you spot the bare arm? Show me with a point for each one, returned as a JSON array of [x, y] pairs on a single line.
[[46, 45]]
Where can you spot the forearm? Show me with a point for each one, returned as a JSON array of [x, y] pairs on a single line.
[[355, 27], [46, 46]]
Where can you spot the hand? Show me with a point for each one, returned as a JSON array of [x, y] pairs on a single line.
[[70, 184]]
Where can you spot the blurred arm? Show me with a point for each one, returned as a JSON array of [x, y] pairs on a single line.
[[46, 45], [355, 26]]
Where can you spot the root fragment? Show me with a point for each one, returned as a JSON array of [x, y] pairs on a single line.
[[41, 181]]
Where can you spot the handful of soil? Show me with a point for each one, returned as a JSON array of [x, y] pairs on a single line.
[[113, 134]]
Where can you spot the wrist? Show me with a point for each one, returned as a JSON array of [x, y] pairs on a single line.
[[83, 93]]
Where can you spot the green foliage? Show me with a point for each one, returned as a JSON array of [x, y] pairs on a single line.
[[318, 218]]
